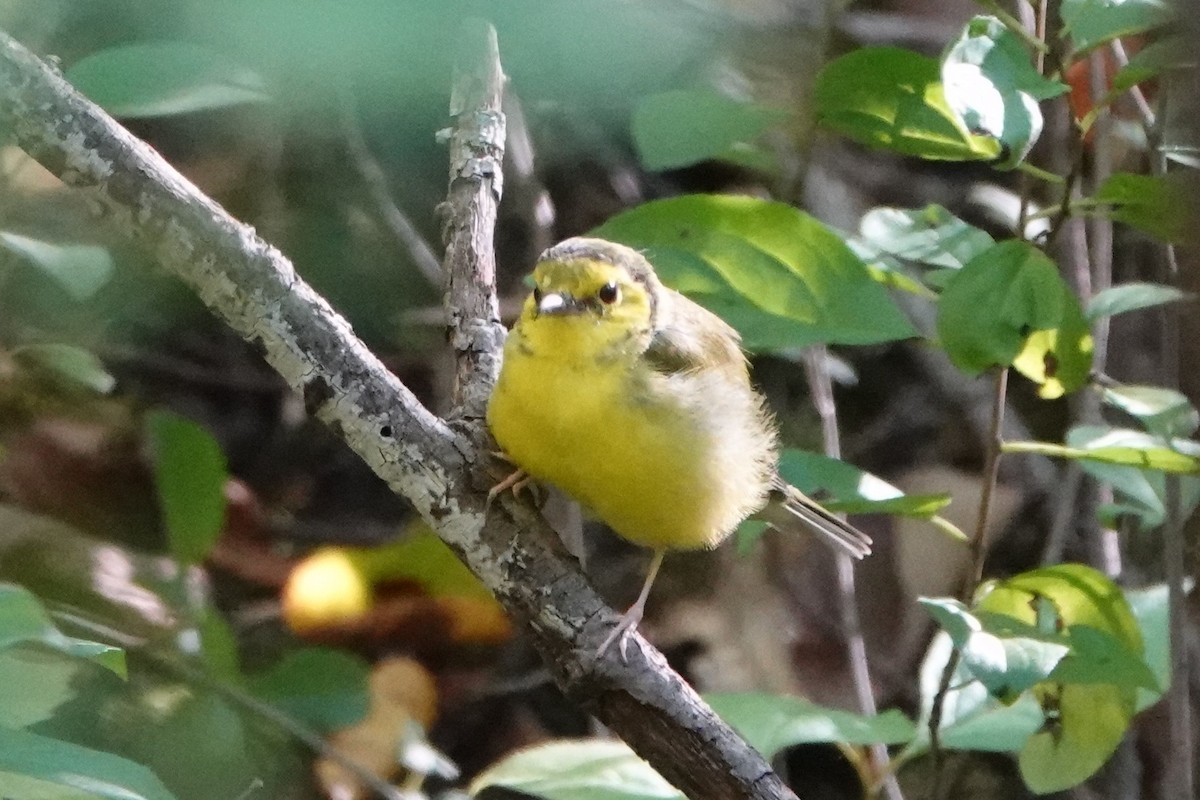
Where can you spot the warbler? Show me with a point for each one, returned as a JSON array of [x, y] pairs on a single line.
[[637, 403]]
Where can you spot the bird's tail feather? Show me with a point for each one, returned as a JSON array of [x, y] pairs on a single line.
[[789, 506]]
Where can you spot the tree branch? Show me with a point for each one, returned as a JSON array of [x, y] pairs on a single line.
[[251, 286]]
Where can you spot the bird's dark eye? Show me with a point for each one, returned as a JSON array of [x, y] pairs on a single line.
[[537, 295], [608, 293]]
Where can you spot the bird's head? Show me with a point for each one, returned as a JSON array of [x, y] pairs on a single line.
[[604, 289]]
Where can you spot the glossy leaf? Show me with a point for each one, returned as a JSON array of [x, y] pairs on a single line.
[[591, 769], [1006, 664], [1150, 61], [325, 688], [80, 269], [844, 488], [1162, 206], [770, 722], [972, 718], [930, 236], [1164, 412], [154, 79], [774, 273], [1088, 23], [991, 84], [68, 363], [1008, 304], [681, 127], [891, 98], [1119, 446], [1132, 297], [58, 770], [190, 472]]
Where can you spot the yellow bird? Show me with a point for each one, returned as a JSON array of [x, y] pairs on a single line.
[[637, 403]]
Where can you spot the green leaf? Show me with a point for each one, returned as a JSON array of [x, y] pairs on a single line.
[[930, 236], [325, 688], [1088, 23], [73, 364], [190, 472], [23, 619], [34, 682], [1150, 607], [681, 127], [68, 772], [774, 273], [1151, 61], [1009, 304], [1161, 205], [80, 269], [154, 79], [1006, 664], [991, 84], [578, 770], [1099, 657], [1165, 412], [1132, 297], [1119, 446], [891, 98], [972, 719], [770, 723], [844, 488], [1083, 726]]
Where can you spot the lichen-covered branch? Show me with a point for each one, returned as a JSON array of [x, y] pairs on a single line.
[[251, 286]]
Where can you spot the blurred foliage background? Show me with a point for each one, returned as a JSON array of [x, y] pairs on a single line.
[[162, 491]]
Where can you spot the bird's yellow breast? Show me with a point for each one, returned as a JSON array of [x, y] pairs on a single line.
[[644, 451]]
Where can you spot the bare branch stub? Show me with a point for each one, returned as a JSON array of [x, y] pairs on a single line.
[[476, 183]]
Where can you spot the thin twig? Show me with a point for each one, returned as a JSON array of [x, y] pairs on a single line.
[[978, 550], [375, 180], [816, 369]]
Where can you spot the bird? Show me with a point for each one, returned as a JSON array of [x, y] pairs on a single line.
[[637, 402]]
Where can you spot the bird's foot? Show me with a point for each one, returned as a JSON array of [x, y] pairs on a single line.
[[621, 632], [516, 481]]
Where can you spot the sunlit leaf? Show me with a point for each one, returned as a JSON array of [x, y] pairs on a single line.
[[1084, 724], [842, 487], [62, 771], [1006, 664], [1118, 446], [681, 127], [153, 79], [1164, 412], [592, 769], [1132, 297], [774, 273], [891, 98], [991, 84], [1009, 305], [930, 236], [69, 363], [190, 472], [80, 269]]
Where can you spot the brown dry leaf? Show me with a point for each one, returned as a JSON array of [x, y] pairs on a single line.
[[401, 691]]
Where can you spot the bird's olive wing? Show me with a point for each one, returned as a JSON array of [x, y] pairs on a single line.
[[690, 337]]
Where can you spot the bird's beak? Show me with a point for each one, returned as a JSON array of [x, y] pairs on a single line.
[[558, 303]]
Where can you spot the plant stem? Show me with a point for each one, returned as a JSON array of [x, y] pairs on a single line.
[[978, 549]]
